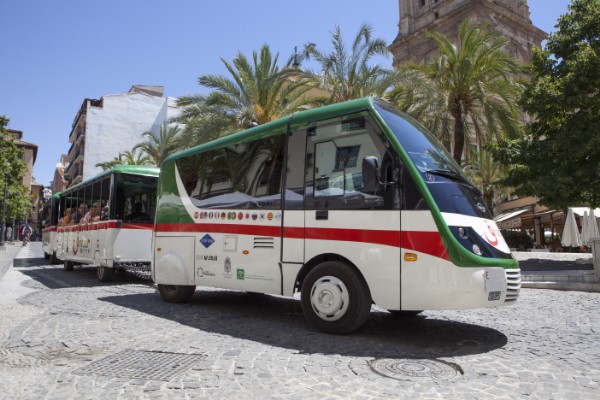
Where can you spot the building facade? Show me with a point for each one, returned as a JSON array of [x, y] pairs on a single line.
[[30, 151], [509, 17], [113, 124]]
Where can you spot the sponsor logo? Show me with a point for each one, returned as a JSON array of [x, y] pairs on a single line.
[[240, 215], [227, 264], [270, 216], [207, 241], [490, 235], [201, 272], [240, 274], [208, 258], [254, 216]]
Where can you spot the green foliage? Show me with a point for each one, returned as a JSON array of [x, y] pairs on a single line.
[[255, 92], [125, 158], [469, 90], [12, 170], [558, 158], [348, 75], [158, 147]]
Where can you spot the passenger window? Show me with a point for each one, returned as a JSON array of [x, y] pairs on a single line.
[[334, 166], [245, 175]]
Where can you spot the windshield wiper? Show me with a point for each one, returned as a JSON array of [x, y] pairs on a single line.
[[455, 176]]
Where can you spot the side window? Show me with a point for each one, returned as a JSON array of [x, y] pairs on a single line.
[[139, 197], [246, 175], [334, 155]]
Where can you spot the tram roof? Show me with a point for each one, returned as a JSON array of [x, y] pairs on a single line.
[[143, 170]]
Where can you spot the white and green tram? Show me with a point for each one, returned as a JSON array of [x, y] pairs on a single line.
[[348, 205]]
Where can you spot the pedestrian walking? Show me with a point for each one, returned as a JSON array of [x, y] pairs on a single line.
[[9, 233], [26, 234]]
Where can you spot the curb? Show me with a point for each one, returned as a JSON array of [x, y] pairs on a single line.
[[571, 286]]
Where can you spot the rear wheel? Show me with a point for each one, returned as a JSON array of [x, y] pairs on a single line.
[[104, 274], [53, 258], [176, 293], [46, 256], [335, 298]]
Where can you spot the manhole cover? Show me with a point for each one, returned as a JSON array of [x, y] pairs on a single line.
[[415, 369], [140, 364]]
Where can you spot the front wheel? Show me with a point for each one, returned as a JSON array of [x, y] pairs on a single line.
[[68, 265], [335, 298], [176, 293]]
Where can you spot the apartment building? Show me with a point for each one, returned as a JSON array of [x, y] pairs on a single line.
[[113, 124]]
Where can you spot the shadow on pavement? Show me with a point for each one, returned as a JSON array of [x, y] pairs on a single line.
[[29, 262], [278, 321], [81, 276]]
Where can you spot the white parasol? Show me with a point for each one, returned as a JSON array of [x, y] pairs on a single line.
[[570, 236], [592, 231]]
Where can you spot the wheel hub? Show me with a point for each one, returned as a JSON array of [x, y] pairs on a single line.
[[329, 298]]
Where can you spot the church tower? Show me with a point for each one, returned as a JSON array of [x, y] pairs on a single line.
[[508, 17]]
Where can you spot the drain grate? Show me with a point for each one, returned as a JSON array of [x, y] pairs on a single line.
[[413, 369], [140, 364]]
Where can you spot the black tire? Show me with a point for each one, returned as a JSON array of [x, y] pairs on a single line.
[[104, 274], [176, 293], [53, 259], [335, 298], [46, 256], [68, 265], [405, 313]]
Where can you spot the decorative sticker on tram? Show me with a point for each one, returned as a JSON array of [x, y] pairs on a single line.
[[207, 241]]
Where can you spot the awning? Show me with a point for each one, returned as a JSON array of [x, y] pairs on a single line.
[[510, 220]]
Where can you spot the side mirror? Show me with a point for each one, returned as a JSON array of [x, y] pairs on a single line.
[[370, 173]]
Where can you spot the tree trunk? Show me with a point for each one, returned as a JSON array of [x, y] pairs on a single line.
[[459, 133]]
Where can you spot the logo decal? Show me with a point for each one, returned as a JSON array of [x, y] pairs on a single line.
[[240, 274], [207, 241], [490, 235], [227, 264]]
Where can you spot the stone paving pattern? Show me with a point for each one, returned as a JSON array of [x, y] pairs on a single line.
[[547, 346]]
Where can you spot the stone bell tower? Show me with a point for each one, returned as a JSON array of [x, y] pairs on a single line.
[[509, 17]]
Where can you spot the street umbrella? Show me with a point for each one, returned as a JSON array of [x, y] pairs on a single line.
[[592, 229], [570, 236]]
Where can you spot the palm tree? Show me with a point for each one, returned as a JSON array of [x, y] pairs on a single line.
[[469, 89], [348, 75], [255, 92], [125, 158], [158, 147], [485, 173]]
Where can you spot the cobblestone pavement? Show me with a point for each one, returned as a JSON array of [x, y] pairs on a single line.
[[64, 335]]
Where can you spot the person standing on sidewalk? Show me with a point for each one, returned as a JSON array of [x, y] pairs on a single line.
[[9, 234]]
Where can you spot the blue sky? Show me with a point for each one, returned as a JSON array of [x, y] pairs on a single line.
[[56, 53]]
